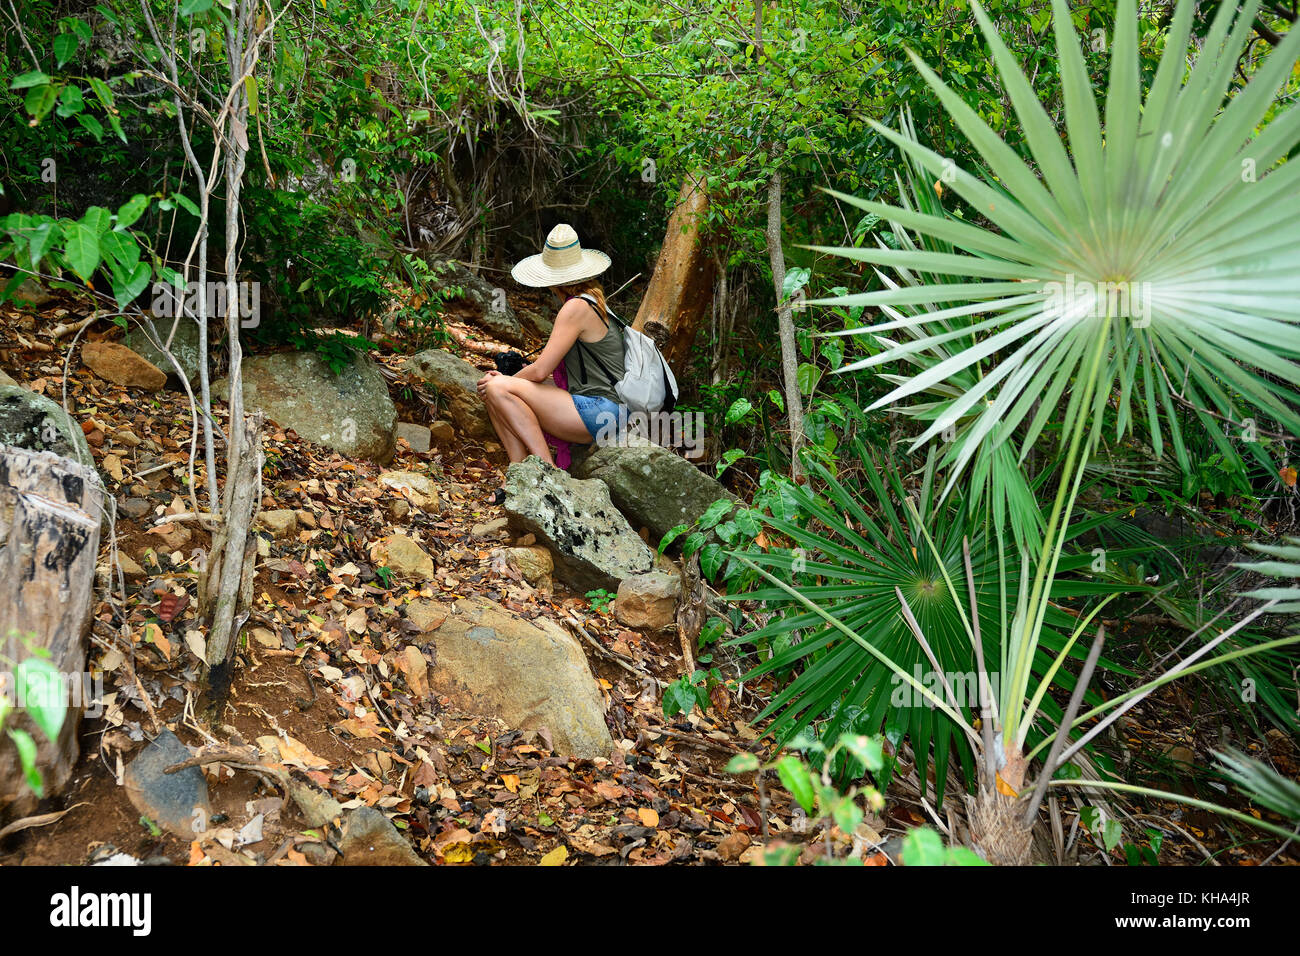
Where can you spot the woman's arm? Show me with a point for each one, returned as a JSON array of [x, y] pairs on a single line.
[[568, 326]]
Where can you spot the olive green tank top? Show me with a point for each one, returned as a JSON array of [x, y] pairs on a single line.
[[595, 359]]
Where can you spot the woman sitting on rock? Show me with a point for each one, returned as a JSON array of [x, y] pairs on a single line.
[[527, 406]]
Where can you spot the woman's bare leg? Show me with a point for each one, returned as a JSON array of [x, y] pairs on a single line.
[[516, 416], [515, 449], [528, 409]]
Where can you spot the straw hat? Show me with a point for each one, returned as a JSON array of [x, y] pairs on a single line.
[[562, 261]]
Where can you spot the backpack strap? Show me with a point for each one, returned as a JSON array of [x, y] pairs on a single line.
[[583, 348]]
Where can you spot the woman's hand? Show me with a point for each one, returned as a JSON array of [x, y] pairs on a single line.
[[482, 383]]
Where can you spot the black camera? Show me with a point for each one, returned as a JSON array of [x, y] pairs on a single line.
[[508, 363]]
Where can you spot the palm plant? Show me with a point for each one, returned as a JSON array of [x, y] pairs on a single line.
[[857, 552], [1144, 270]]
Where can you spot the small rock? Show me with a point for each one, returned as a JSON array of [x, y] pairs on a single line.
[[318, 854], [370, 840], [267, 638], [417, 436], [442, 432], [5, 379], [134, 507], [317, 808], [282, 522], [733, 846], [130, 570], [397, 508], [648, 600], [405, 557], [168, 799], [418, 489], [174, 537], [535, 563], [305, 518], [116, 363], [489, 527]]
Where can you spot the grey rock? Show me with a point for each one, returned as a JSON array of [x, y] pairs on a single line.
[[478, 301], [184, 347], [530, 674], [168, 799], [417, 436], [351, 412], [318, 809], [456, 382], [31, 292], [369, 839], [34, 422], [592, 544], [655, 488]]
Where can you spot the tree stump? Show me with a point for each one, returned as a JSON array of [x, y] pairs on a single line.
[[50, 515]]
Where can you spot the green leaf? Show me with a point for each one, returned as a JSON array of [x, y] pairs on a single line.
[[27, 758], [98, 218], [33, 78], [716, 512], [694, 541], [91, 125], [738, 410], [1111, 833], [40, 100], [712, 631], [131, 210], [65, 47], [711, 559], [81, 249], [923, 847], [776, 399], [191, 7], [807, 376], [796, 778], [671, 535], [847, 815], [868, 751], [42, 693], [40, 240], [743, 763], [128, 284], [70, 102]]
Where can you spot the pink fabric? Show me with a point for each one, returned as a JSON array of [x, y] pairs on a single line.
[[563, 456]]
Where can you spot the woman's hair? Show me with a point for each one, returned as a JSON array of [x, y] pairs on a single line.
[[591, 287]]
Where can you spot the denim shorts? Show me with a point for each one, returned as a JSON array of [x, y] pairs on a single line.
[[600, 415]]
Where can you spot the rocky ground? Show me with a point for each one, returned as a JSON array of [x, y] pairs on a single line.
[[422, 680], [425, 678]]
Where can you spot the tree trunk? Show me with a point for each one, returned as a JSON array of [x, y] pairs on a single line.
[[785, 323], [681, 288], [50, 514]]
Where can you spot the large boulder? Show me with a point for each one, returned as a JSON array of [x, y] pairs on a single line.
[[530, 674], [32, 421], [655, 488], [456, 382], [593, 545], [475, 301], [184, 347], [350, 412]]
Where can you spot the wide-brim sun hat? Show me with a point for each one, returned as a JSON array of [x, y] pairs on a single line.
[[562, 261]]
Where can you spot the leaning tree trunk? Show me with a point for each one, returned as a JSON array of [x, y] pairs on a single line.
[[681, 288], [50, 514], [785, 324]]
